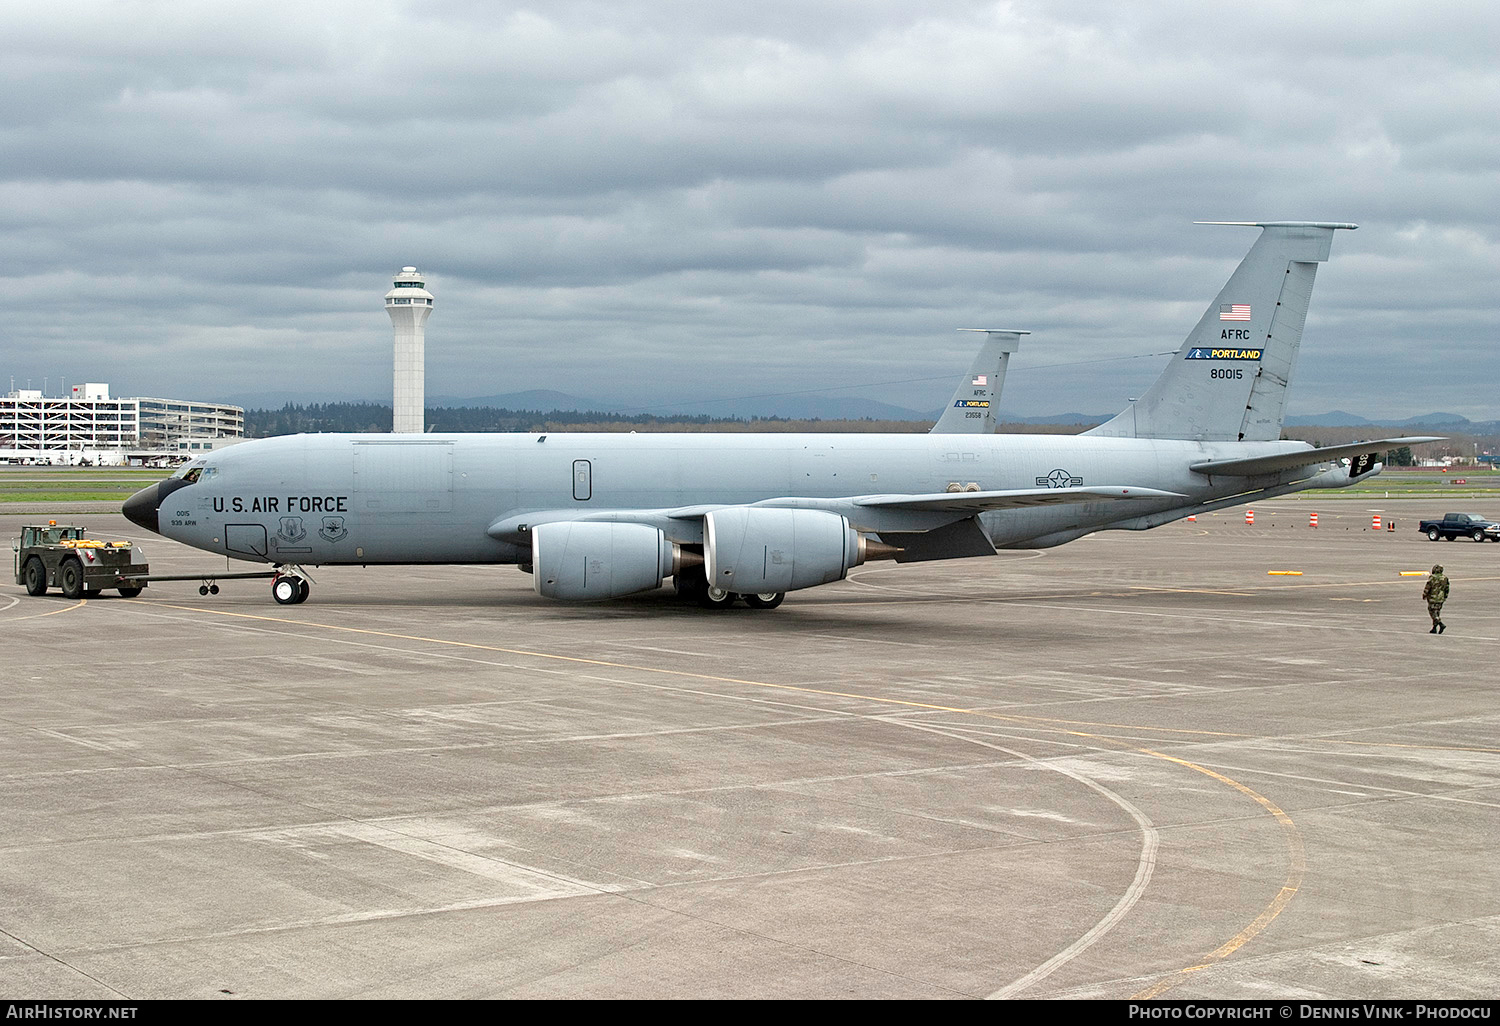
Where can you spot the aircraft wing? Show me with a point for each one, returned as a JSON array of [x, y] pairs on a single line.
[[978, 502], [896, 512], [1280, 461]]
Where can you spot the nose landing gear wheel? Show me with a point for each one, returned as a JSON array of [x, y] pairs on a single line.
[[289, 590]]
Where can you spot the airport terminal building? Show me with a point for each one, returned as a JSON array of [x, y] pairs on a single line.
[[39, 427]]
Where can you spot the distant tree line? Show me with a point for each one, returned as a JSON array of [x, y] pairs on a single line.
[[293, 419], [356, 418], [1454, 444]]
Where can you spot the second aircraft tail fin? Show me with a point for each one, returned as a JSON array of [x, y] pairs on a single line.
[[1229, 379], [976, 401]]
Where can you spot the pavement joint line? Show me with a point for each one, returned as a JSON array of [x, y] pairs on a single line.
[[1145, 865], [1042, 722], [1019, 720], [1296, 860], [1243, 622], [1224, 951], [1269, 914], [1296, 872], [1387, 793], [62, 962], [1246, 590], [1226, 737]]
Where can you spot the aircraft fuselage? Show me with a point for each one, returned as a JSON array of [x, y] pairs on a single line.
[[382, 499]]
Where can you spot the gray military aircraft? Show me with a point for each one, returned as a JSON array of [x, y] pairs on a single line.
[[975, 402], [754, 516]]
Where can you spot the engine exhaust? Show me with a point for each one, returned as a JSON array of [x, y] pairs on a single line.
[[684, 559], [870, 550]]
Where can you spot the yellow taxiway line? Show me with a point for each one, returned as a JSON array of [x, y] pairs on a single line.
[[1296, 857]]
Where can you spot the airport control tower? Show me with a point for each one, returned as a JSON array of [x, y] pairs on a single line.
[[409, 303]]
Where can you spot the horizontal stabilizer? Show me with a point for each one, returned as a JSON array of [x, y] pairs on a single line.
[[959, 502], [1277, 462]]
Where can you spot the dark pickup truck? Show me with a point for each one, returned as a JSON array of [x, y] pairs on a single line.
[[1461, 525]]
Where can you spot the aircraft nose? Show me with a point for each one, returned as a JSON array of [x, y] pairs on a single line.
[[141, 508]]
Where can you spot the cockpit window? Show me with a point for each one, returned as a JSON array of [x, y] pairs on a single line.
[[196, 473]]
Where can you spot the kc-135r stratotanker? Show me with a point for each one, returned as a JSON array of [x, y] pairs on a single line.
[[753, 516]]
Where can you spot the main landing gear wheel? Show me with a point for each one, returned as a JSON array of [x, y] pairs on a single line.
[[765, 600], [716, 598], [289, 590], [70, 578], [36, 577]]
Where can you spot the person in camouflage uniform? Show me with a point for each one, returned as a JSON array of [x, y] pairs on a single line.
[[1435, 591]]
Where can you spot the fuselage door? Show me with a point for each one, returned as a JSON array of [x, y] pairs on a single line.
[[583, 482], [246, 539]]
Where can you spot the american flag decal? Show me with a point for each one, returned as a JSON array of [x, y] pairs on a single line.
[[980, 379], [1234, 312]]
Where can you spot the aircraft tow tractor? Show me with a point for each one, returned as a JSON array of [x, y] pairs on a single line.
[[64, 557]]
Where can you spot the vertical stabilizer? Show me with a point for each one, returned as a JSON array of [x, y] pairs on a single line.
[[975, 402], [1228, 381]]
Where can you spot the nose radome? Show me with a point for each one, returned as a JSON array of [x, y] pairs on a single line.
[[141, 508]]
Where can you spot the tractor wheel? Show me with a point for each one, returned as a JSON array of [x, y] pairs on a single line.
[[36, 577], [70, 578]]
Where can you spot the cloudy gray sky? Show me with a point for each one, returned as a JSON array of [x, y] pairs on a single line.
[[690, 198]]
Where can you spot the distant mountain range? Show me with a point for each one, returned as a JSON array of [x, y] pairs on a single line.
[[1450, 422], [786, 407], [823, 407], [1338, 418]]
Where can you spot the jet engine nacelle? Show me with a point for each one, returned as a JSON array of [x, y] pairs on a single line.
[[755, 549], [579, 561]]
